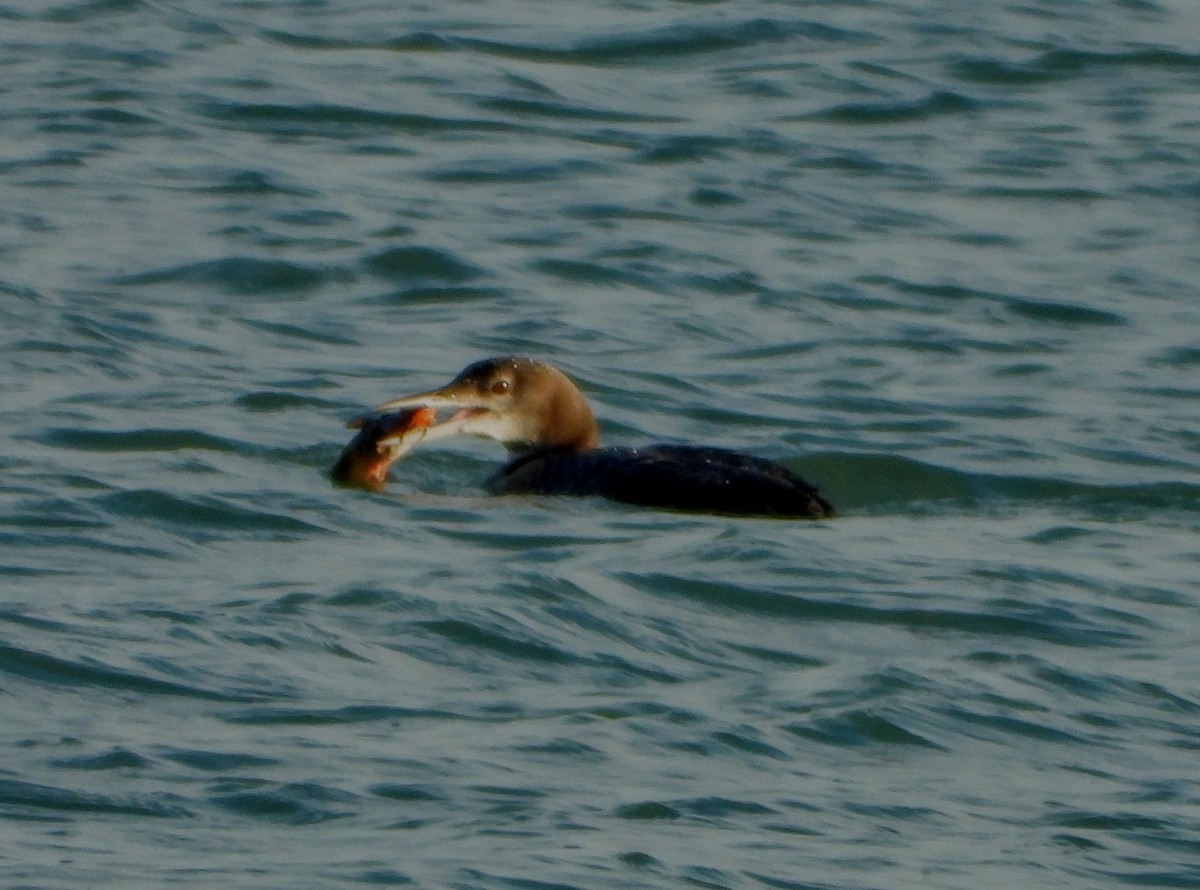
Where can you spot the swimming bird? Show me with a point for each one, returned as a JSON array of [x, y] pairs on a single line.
[[535, 410]]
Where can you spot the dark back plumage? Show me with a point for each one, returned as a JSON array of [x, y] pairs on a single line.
[[679, 477]]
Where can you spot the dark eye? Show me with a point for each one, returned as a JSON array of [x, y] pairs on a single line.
[[500, 387]]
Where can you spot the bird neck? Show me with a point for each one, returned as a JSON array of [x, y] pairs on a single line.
[[569, 424], [560, 421]]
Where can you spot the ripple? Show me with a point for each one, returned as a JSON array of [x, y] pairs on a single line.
[[257, 184], [1004, 619], [117, 758], [292, 803], [936, 104], [421, 264], [407, 793], [134, 441], [30, 796], [299, 333], [1034, 308], [1057, 194], [1061, 64], [335, 121], [547, 110], [860, 727], [1184, 357], [506, 643], [56, 671], [1001, 727], [636, 47], [349, 715], [271, 401], [451, 296], [649, 810], [203, 514], [240, 276], [866, 481], [423, 41], [218, 761], [496, 172], [586, 272]]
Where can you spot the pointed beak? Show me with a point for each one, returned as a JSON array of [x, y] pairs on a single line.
[[435, 398], [465, 409]]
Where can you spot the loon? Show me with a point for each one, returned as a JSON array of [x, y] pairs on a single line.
[[541, 416]]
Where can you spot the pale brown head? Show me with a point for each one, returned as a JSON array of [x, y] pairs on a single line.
[[525, 404]]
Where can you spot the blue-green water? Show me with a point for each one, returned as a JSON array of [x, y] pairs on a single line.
[[940, 258]]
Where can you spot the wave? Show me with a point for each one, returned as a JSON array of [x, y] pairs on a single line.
[[1063, 63], [888, 483], [53, 670], [241, 275], [617, 48]]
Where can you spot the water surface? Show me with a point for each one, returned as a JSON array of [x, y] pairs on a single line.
[[939, 260]]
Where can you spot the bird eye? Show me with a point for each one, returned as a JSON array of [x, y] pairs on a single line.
[[500, 387]]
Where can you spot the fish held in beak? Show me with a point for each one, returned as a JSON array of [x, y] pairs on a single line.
[[381, 440], [467, 413]]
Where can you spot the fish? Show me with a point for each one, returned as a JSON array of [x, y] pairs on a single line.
[[381, 440]]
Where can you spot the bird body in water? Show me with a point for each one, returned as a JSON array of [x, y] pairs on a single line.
[[541, 416]]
